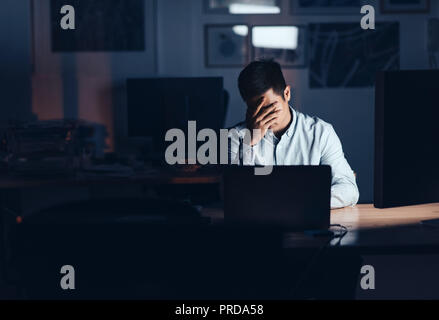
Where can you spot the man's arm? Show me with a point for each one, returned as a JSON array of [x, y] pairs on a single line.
[[240, 152], [344, 190]]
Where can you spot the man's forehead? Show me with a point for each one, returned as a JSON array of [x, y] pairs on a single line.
[[269, 97]]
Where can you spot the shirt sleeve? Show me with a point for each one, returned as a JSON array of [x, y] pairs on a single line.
[[344, 190], [239, 152]]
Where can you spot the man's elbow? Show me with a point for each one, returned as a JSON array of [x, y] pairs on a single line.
[[356, 195], [344, 195]]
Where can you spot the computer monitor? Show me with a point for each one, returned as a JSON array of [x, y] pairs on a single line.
[[156, 105], [406, 138]]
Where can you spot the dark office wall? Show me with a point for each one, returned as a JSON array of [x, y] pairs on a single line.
[[351, 111], [15, 60], [91, 85]]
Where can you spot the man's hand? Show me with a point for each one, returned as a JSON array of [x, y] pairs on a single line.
[[262, 118]]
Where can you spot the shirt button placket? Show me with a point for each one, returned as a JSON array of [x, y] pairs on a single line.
[[279, 154]]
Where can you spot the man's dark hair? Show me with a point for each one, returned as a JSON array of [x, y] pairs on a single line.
[[259, 77]]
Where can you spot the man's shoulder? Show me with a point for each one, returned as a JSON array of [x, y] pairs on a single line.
[[238, 129], [239, 126], [312, 123]]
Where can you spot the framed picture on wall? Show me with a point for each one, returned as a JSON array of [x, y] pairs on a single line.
[[242, 6], [342, 55], [226, 45], [102, 25], [326, 7], [284, 43], [405, 6]]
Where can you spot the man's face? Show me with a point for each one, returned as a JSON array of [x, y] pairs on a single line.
[[271, 98]]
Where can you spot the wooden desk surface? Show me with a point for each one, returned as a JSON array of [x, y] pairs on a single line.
[[365, 216], [388, 230]]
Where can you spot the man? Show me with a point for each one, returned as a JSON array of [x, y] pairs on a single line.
[[284, 136]]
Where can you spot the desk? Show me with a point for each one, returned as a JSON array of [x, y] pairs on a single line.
[[404, 253], [365, 216], [393, 230], [391, 240], [12, 186], [8, 181], [386, 231]]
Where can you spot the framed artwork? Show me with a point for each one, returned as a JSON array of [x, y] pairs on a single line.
[[226, 45], [101, 25], [342, 55], [405, 6], [242, 6], [284, 43], [326, 7]]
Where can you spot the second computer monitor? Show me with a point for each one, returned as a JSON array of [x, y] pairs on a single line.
[[406, 138], [156, 105]]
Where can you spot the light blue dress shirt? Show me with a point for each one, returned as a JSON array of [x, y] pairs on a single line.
[[307, 141]]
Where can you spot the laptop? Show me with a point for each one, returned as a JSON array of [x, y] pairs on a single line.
[[295, 198]]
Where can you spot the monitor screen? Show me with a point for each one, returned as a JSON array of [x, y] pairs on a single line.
[[406, 138], [156, 105]]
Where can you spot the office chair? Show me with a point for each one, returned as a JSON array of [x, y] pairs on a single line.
[[131, 237], [122, 258]]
